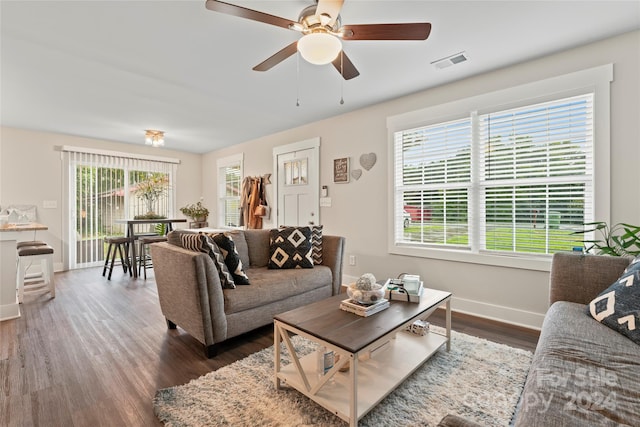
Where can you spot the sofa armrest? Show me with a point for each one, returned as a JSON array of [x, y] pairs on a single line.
[[580, 278], [332, 255], [189, 291]]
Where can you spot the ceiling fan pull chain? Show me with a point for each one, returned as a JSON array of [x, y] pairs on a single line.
[[298, 79], [342, 79]]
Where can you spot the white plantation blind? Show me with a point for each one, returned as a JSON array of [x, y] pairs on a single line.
[[230, 172], [536, 175], [433, 173], [511, 181]]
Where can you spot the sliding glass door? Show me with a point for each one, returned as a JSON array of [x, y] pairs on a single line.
[[104, 189]]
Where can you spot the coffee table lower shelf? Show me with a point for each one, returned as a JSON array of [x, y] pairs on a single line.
[[375, 377]]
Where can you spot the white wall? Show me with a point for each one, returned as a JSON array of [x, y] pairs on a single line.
[[359, 209], [31, 172]]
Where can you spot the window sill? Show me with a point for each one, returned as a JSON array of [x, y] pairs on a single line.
[[524, 262]]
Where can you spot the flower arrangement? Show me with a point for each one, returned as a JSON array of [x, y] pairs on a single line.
[[196, 211]]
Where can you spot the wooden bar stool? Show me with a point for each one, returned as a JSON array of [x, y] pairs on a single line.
[[121, 245], [143, 250], [30, 243], [38, 283]]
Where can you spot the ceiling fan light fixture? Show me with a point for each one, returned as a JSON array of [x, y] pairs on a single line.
[[154, 138], [319, 48]]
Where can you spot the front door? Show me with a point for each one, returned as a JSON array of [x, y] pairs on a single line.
[[298, 186]]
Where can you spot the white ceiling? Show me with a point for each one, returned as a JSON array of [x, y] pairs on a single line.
[[110, 69]]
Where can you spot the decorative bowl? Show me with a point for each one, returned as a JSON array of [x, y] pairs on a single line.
[[366, 297]]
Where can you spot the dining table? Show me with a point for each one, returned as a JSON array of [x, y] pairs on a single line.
[[130, 233]]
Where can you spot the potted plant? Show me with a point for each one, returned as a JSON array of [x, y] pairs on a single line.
[[150, 190], [197, 212], [618, 240]]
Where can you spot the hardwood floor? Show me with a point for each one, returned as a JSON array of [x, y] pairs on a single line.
[[96, 354]]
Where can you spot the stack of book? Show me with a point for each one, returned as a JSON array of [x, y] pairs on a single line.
[[364, 310]]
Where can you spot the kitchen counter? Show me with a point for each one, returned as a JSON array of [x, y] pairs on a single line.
[[29, 226]]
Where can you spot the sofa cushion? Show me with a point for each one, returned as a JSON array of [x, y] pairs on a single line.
[[290, 248], [582, 373], [231, 258], [210, 247], [275, 285], [618, 306], [258, 246]]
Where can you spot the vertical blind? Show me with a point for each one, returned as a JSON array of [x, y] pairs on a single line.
[[105, 188], [522, 183]]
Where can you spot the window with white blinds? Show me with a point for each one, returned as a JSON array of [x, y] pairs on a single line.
[[229, 190], [433, 178], [513, 181]]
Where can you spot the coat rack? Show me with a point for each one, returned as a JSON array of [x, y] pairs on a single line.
[[254, 206]]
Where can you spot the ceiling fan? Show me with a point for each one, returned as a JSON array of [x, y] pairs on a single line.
[[322, 29]]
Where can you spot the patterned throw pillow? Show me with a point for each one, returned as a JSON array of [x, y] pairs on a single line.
[[316, 242], [209, 247], [191, 241], [618, 306], [290, 248], [633, 265], [231, 258]]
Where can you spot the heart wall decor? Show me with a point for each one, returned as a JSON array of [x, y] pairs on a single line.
[[368, 160], [356, 174]]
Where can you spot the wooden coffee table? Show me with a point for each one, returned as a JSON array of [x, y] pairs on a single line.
[[379, 355]]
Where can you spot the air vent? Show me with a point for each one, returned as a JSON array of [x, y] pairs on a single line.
[[450, 60]]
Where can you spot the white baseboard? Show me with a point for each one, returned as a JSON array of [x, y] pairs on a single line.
[[9, 311], [514, 316]]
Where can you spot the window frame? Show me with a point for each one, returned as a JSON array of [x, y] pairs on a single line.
[[221, 164], [594, 80]]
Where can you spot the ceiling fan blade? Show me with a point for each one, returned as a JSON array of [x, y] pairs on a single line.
[[330, 8], [415, 31], [277, 58], [345, 67], [243, 12]]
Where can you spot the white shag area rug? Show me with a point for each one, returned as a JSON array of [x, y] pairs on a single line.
[[478, 379]]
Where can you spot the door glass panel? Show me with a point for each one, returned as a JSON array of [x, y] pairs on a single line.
[[296, 172]]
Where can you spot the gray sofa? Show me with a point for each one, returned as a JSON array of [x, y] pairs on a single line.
[[583, 373], [191, 295]]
